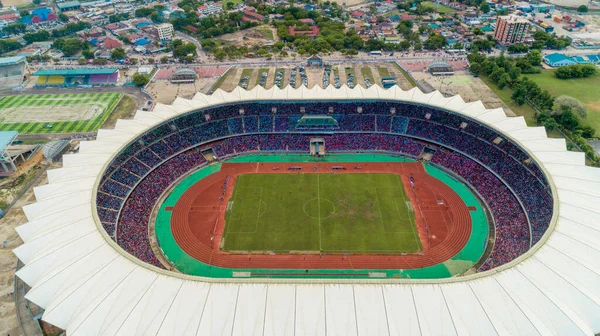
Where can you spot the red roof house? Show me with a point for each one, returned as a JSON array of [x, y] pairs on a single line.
[[252, 16], [312, 32], [110, 43], [357, 14]]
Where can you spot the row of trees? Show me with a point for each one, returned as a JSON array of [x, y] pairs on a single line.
[[72, 46], [8, 45], [575, 71], [562, 113]]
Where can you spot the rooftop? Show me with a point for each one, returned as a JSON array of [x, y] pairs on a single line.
[[11, 60], [68, 4], [6, 138], [71, 72]]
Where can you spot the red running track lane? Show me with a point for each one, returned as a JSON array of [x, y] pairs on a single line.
[[443, 220]]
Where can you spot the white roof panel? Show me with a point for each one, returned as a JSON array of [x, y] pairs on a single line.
[[88, 287]]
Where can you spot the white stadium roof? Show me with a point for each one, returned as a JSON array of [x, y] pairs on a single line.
[[90, 286]]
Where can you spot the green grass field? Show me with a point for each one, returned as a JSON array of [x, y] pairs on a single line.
[[438, 7], [367, 73], [310, 212], [587, 90], [56, 113]]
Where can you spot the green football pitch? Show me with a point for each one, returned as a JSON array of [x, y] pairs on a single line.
[[328, 213], [56, 113]]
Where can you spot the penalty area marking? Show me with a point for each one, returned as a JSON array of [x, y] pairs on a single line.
[[258, 212]]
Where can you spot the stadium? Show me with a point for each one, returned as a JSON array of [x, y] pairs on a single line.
[[317, 212], [76, 77], [12, 72]]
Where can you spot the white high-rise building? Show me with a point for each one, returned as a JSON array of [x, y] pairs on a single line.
[[165, 31]]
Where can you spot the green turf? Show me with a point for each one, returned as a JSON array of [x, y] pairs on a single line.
[[310, 212], [586, 90], [383, 71], [458, 264], [57, 101], [505, 95], [405, 74], [367, 73], [438, 7]]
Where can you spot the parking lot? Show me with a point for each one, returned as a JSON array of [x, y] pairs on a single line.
[[350, 74]]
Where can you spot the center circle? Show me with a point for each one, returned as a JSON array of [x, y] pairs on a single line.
[[314, 206]]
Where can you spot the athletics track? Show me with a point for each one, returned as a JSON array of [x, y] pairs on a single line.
[[197, 220]]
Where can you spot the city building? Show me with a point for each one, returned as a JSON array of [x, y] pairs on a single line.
[[68, 6], [511, 29], [165, 31], [210, 8], [12, 71]]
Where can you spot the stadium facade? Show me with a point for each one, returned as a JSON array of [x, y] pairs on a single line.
[[12, 72], [88, 284], [76, 77]]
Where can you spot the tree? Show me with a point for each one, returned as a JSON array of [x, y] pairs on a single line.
[[220, 54], [63, 17], [435, 42], [140, 80], [404, 45], [475, 68], [117, 54], [143, 12], [7, 45], [82, 61], [37, 2], [517, 48], [571, 104], [582, 9], [87, 54], [351, 52], [568, 119], [164, 59], [68, 46], [504, 80], [514, 73], [151, 60], [40, 35], [484, 7], [534, 57]]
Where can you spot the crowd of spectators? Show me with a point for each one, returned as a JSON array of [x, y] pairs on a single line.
[[132, 234], [153, 164], [512, 229]]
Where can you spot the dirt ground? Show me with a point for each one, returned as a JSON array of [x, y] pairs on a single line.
[[468, 87], [315, 75], [165, 92], [8, 3], [250, 37]]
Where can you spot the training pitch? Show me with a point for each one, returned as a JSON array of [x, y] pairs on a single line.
[[56, 113], [328, 213]]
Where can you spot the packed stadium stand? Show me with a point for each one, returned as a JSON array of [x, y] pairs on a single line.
[[77, 77], [513, 186], [12, 72], [540, 278]]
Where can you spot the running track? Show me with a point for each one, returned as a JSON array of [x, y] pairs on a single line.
[[198, 216]]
